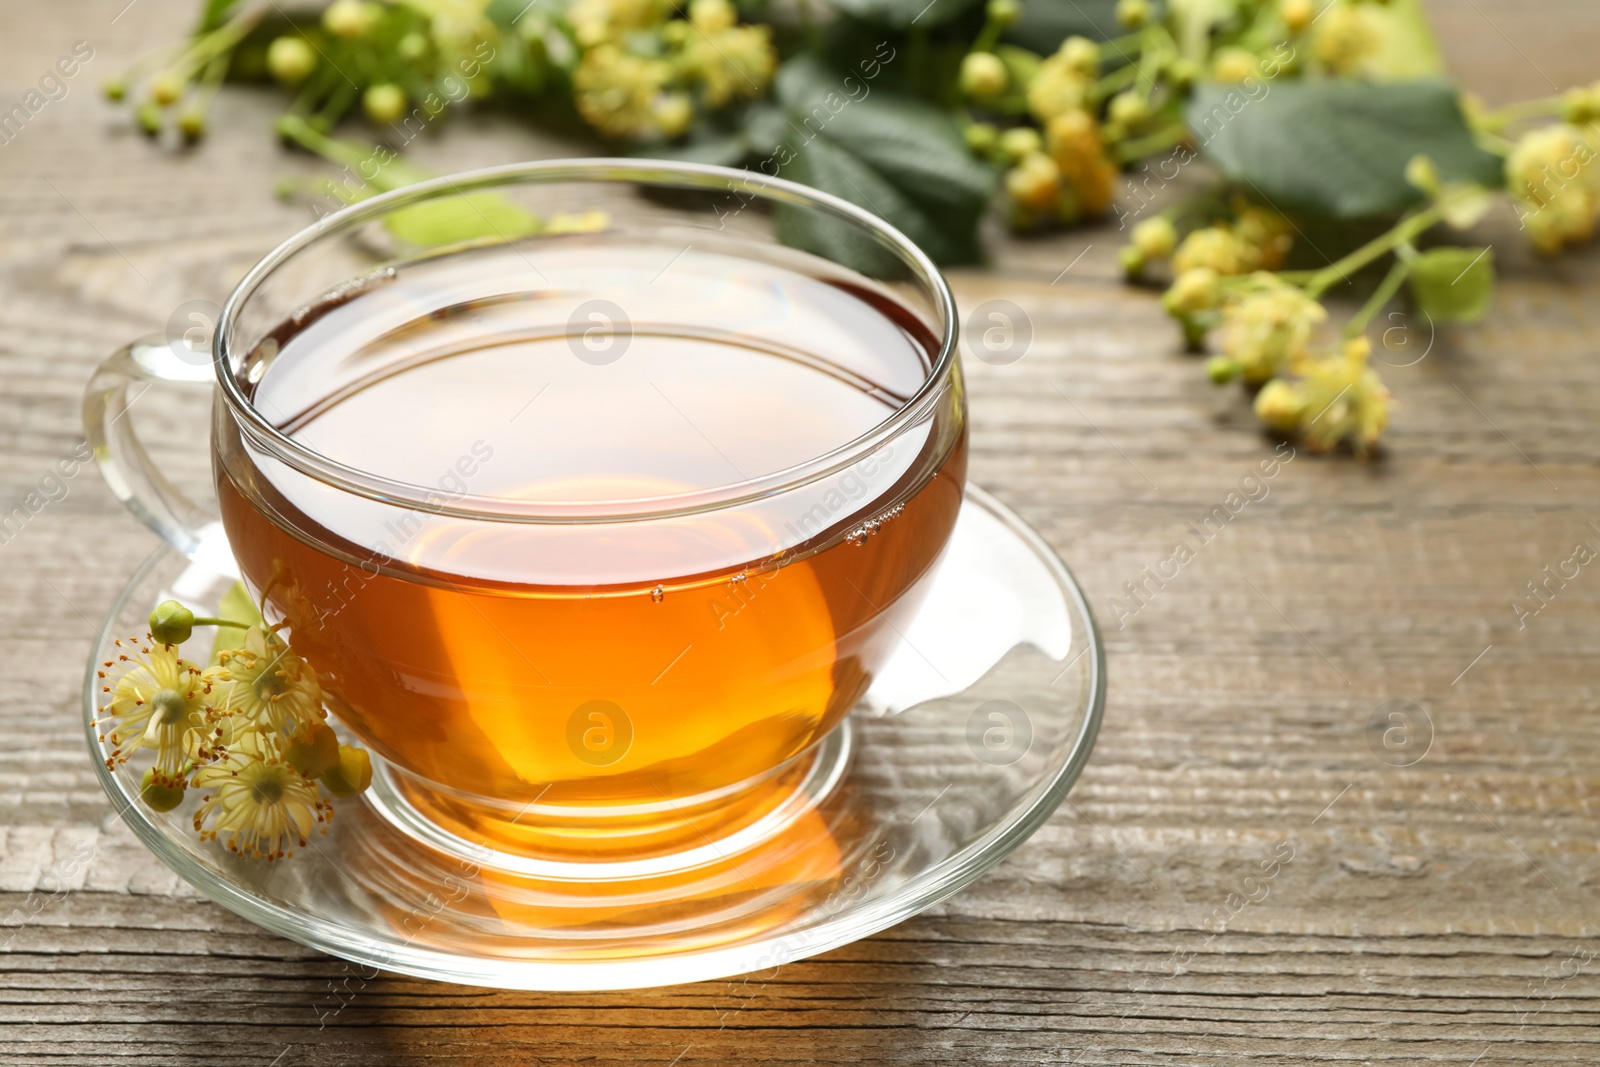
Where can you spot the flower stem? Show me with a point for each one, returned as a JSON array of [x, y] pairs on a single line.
[[1382, 295], [1500, 118], [1137, 148], [1403, 231], [1120, 78], [204, 621], [1114, 47], [987, 37]]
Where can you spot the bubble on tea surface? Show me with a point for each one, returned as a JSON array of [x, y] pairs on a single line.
[[999, 732], [599, 732], [658, 594]]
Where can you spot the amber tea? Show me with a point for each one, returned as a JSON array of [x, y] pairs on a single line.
[[668, 619]]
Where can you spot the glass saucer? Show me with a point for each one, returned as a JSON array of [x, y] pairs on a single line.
[[966, 742]]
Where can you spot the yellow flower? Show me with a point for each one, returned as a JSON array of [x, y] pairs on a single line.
[[1280, 405], [1267, 328], [616, 92], [1074, 141], [1345, 36], [1215, 248], [1059, 86], [1192, 291], [158, 697], [267, 684], [1257, 240], [1035, 182], [258, 804], [1340, 398], [1155, 238], [598, 21], [712, 16], [1264, 236], [732, 63], [1555, 178]]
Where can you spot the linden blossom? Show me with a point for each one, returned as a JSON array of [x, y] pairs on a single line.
[[1252, 488]]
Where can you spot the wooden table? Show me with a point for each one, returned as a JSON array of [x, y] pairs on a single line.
[[1441, 912]]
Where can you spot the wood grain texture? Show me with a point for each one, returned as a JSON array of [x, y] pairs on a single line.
[[1442, 913]]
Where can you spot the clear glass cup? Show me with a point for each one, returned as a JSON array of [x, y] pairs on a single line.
[[614, 678]]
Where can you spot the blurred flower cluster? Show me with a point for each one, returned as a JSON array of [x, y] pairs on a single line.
[[1057, 120], [642, 70], [633, 69]]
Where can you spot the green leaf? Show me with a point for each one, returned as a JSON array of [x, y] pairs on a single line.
[[1453, 284], [904, 14], [897, 156], [235, 606], [468, 217], [1337, 147]]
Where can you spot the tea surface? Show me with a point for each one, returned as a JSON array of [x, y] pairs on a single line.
[[616, 661]]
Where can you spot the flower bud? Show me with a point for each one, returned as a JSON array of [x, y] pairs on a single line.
[[1196, 289], [1296, 14], [159, 792], [983, 75], [150, 119], [1020, 141], [1422, 174], [1233, 65], [1128, 109], [673, 113], [384, 102], [1221, 370], [1133, 13], [412, 47], [114, 89], [291, 60], [350, 19], [1004, 13], [1580, 106], [1132, 261], [1280, 405], [166, 87], [1081, 56], [981, 137], [1155, 238], [171, 623], [352, 775], [1035, 182], [1346, 36], [1182, 72], [192, 124]]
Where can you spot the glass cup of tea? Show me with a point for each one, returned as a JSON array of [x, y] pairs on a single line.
[[595, 491]]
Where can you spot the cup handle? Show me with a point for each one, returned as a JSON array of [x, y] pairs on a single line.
[[126, 466]]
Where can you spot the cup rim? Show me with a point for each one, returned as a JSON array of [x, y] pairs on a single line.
[[598, 169]]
